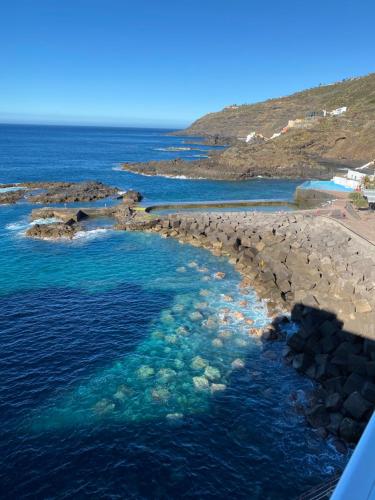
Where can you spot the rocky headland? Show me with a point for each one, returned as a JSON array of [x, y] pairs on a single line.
[[322, 274], [298, 136]]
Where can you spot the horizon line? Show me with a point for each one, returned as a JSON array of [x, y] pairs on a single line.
[[92, 125]]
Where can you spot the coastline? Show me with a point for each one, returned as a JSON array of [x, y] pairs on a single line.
[[334, 344]]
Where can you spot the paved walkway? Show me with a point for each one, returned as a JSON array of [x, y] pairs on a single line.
[[361, 222]]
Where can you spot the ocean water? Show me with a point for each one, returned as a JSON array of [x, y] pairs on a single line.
[[126, 365]]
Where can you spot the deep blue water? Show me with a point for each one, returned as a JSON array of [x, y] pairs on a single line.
[[119, 352]]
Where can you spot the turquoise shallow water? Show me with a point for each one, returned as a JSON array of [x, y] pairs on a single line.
[[325, 186], [126, 366]]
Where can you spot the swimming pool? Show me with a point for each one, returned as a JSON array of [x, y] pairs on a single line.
[[325, 186]]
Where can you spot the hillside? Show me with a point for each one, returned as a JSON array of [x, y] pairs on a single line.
[[312, 147], [272, 115]]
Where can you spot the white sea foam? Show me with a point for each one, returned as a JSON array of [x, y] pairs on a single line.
[[91, 234], [17, 226], [172, 149], [117, 168], [21, 226], [181, 177], [11, 189], [46, 220]]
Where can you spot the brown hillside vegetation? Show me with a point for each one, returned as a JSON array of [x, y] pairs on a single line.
[[272, 115], [327, 143]]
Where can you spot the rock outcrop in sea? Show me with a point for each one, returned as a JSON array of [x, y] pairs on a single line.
[[56, 192]]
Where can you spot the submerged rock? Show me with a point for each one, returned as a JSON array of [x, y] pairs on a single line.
[[157, 335], [218, 387], [201, 305], [201, 383], [209, 323], [228, 298], [167, 317], [181, 269], [217, 342], [255, 332], [145, 371], [192, 264], [212, 373], [238, 315], [123, 392], [166, 374], [198, 363], [238, 364], [160, 394], [182, 330], [104, 406], [195, 316], [171, 339], [178, 308], [225, 334], [202, 270], [219, 275]]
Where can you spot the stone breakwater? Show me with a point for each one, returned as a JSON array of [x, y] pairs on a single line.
[[325, 276]]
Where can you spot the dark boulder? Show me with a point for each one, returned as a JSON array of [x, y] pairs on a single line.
[[333, 402], [131, 195], [356, 405], [317, 416], [350, 430]]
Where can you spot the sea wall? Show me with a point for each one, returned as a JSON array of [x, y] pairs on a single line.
[[325, 276], [311, 198]]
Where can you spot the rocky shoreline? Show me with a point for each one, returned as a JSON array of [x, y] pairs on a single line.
[[322, 275], [67, 222], [307, 268], [242, 161]]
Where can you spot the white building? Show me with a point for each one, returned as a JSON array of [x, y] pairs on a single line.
[[338, 111]]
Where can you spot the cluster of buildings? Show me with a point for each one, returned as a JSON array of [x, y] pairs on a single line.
[[306, 122]]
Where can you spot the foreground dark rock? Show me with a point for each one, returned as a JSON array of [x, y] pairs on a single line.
[[57, 230], [325, 276], [132, 196], [58, 192], [125, 215], [74, 192], [10, 197]]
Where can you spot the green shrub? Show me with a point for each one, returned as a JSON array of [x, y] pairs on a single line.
[[358, 200]]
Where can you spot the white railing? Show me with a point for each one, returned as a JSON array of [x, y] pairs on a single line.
[[358, 479], [349, 183], [369, 194]]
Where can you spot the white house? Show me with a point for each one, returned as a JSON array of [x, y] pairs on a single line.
[[338, 111]]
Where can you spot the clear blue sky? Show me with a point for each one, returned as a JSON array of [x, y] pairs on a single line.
[[167, 62]]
